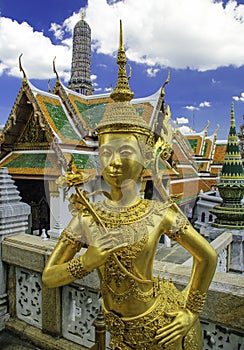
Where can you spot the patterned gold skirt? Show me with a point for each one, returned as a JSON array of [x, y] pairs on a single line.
[[138, 332]]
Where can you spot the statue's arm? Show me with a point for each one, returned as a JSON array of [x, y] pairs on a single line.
[[177, 227], [62, 268], [204, 256]]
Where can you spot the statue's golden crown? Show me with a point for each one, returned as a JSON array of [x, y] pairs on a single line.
[[121, 115]]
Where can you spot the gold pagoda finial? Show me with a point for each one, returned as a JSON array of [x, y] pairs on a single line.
[[232, 114], [122, 92], [83, 14], [21, 69]]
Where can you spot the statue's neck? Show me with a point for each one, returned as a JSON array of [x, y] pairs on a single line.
[[124, 196]]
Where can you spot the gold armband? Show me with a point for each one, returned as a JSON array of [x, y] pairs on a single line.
[[77, 269], [70, 239], [195, 301]]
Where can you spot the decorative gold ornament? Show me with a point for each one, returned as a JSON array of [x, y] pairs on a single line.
[[76, 269], [70, 239], [195, 301]]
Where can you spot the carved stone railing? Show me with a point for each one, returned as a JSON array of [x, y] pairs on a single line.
[[63, 318]]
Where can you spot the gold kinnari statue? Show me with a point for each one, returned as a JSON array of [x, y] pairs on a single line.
[[122, 233]]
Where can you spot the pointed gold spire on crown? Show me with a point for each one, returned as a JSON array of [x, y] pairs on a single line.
[[121, 116], [121, 92]]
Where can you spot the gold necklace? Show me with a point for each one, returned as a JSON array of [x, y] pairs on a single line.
[[120, 216]]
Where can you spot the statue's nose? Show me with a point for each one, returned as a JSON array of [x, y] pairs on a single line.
[[116, 160]]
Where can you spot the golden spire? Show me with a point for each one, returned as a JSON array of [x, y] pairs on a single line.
[[122, 90], [83, 13], [232, 114]]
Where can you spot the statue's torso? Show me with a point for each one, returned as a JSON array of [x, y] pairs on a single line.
[[128, 285]]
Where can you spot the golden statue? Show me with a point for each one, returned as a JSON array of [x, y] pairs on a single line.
[[121, 234]]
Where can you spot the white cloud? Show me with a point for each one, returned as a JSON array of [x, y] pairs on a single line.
[[157, 33], [204, 104], [108, 89], [17, 38], [184, 129], [214, 81], [191, 108], [171, 33], [182, 120], [152, 72], [201, 105], [93, 77], [57, 30], [239, 98]]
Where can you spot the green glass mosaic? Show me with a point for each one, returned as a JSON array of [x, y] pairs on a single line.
[[33, 160], [85, 161], [193, 144], [205, 149], [92, 114], [61, 121]]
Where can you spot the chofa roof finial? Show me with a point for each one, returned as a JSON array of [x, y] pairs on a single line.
[[55, 70], [21, 69], [122, 91]]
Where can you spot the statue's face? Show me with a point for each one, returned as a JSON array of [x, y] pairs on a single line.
[[121, 159]]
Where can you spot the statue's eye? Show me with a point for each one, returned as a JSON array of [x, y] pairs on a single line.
[[105, 152], [126, 153]]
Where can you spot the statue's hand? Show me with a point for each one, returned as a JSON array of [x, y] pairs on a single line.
[[99, 250], [182, 321]]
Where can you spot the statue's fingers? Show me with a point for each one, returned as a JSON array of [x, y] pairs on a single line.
[[170, 340], [167, 331]]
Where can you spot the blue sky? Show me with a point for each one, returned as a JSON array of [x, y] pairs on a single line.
[[200, 41]]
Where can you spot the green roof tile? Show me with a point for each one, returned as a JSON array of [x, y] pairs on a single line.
[[61, 121], [33, 160], [85, 161], [92, 114]]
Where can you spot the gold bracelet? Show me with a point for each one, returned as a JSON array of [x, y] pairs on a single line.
[[76, 268], [71, 240], [195, 301]]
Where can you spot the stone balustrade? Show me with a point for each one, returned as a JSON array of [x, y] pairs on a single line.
[[62, 318]]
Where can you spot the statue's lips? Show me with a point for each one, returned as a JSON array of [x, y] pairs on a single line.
[[114, 174]]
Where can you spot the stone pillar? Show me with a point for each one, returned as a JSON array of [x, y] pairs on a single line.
[[13, 219], [59, 211], [54, 202]]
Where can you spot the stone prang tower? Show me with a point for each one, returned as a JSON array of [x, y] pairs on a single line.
[[80, 80]]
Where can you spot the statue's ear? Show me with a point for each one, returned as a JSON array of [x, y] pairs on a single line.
[[147, 155]]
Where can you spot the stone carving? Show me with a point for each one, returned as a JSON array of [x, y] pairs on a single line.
[[28, 297], [80, 308], [222, 261]]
